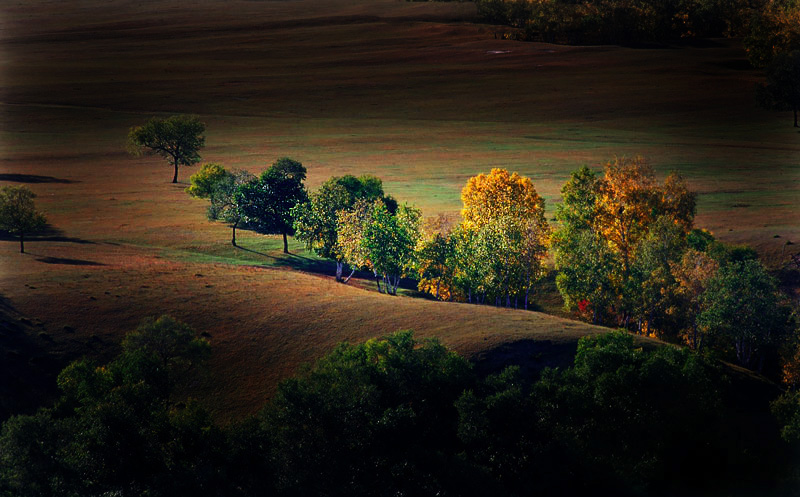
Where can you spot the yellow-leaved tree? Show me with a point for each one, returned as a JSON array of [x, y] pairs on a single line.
[[499, 194], [503, 238]]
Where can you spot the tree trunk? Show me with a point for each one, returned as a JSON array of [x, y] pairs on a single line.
[[338, 271], [349, 276], [175, 176], [437, 289], [233, 236], [22, 243], [285, 244], [378, 282]]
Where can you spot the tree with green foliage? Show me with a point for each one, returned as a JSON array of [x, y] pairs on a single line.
[[389, 241], [368, 419], [176, 138], [782, 88], [623, 420], [741, 310], [173, 343], [202, 183], [600, 244], [584, 262], [268, 201], [18, 214], [469, 262], [120, 428], [225, 201], [315, 220]]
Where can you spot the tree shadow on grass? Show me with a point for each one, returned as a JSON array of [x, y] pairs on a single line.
[[33, 178], [322, 267], [532, 356], [48, 234], [28, 370], [69, 262]]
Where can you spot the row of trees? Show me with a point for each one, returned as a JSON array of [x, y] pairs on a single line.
[[625, 249], [397, 416]]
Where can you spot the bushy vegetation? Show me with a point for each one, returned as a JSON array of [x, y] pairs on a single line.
[[617, 21], [395, 416]]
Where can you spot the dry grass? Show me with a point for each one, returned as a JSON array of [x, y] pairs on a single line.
[[406, 91], [262, 322]]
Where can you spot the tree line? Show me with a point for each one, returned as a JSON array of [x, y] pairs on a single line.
[[625, 250], [401, 416]]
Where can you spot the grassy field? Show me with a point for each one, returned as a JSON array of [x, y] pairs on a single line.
[[411, 92]]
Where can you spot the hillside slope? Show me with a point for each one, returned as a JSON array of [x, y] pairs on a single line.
[[263, 322]]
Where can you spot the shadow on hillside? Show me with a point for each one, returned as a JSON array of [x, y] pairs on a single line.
[[322, 267], [27, 370], [532, 356], [48, 234], [33, 178], [69, 262]]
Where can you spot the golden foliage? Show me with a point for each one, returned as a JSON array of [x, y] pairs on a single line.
[[499, 194]]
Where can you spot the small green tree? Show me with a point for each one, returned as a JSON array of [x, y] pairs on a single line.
[[18, 214], [224, 204], [267, 202], [177, 139], [389, 241], [741, 309], [204, 180]]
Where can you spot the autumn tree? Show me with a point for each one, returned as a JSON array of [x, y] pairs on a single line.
[[267, 202], [782, 88], [350, 227], [177, 139], [615, 238], [18, 214], [774, 29], [506, 215], [315, 220], [499, 194], [435, 258], [692, 274]]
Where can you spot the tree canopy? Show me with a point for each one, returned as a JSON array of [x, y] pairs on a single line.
[[315, 221], [177, 139], [267, 202], [18, 214]]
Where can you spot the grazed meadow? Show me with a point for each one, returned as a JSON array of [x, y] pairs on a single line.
[[412, 93]]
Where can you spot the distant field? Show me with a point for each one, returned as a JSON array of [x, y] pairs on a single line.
[[411, 92]]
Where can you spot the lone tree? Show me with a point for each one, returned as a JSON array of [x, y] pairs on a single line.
[[176, 138], [782, 91], [267, 202], [18, 215]]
